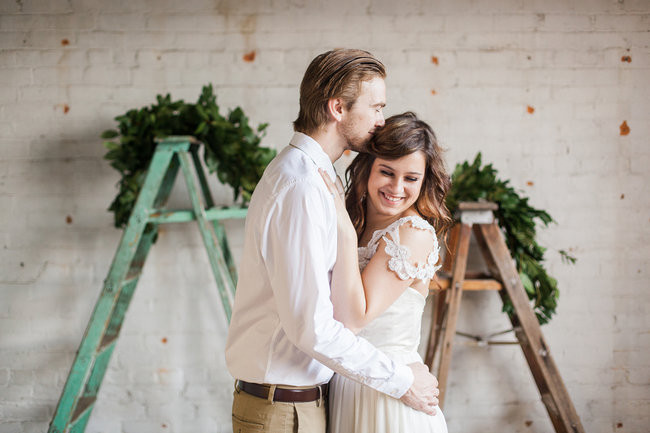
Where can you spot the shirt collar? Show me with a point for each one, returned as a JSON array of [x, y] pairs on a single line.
[[314, 151]]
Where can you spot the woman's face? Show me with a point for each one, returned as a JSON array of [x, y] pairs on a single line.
[[394, 186]]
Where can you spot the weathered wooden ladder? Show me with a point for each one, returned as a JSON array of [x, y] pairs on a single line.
[[479, 218], [81, 388]]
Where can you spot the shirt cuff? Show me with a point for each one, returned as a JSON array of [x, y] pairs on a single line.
[[403, 380]]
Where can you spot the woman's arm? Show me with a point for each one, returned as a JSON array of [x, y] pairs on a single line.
[[347, 293], [359, 298]]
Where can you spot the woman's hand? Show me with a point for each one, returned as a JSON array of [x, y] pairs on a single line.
[[344, 224]]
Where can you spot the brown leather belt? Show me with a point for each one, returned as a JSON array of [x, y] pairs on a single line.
[[284, 395]]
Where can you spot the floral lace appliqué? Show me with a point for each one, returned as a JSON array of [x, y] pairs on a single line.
[[400, 255], [400, 262]]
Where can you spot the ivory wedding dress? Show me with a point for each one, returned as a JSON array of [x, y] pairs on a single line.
[[356, 408]]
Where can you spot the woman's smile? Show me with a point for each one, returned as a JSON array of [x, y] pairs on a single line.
[[390, 198]]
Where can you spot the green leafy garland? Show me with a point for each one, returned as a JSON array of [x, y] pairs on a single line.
[[471, 182], [231, 146]]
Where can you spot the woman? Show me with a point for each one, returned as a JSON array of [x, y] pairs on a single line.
[[396, 204]]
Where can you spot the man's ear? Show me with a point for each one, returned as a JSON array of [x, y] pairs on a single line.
[[336, 108]]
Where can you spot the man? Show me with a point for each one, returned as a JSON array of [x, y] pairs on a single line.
[[283, 341]]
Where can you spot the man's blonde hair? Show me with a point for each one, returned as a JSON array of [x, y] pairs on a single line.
[[335, 74]]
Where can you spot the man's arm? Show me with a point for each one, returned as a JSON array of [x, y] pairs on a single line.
[[296, 252]]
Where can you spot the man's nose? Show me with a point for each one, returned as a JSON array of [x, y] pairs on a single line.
[[380, 120]]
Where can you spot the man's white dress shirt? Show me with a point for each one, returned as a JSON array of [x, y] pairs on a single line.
[[282, 330]]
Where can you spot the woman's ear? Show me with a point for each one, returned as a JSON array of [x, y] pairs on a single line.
[[335, 108]]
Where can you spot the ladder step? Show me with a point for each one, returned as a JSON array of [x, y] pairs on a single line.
[[134, 272], [85, 403], [108, 340], [443, 282], [130, 278], [113, 330], [186, 215], [80, 425]]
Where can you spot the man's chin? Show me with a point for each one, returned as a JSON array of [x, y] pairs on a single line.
[[358, 146]]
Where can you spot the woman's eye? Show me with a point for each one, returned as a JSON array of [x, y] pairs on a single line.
[[386, 173], [412, 179]]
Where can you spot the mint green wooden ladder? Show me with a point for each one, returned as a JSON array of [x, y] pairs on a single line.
[[80, 391]]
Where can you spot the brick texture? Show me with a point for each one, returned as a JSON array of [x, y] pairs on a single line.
[[68, 67]]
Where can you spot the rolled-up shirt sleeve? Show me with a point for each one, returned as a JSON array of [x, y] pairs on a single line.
[[294, 250]]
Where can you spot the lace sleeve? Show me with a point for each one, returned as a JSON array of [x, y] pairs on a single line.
[[400, 262]]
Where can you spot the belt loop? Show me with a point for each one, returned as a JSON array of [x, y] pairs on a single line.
[[320, 396], [271, 393], [237, 386]]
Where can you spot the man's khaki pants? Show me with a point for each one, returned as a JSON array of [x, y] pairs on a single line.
[[254, 414]]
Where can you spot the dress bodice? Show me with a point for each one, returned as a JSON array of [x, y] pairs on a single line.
[[397, 330]]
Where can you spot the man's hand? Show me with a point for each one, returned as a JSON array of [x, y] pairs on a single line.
[[423, 394]]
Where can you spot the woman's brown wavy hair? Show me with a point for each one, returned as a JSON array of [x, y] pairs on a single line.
[[403, 134]]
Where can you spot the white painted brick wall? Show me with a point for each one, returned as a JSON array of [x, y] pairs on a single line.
[[495, 58]]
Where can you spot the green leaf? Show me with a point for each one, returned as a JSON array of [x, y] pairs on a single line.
[[566, 258], [528, 284], [203, 126], [111, 145], [109, 133], [202, 113]]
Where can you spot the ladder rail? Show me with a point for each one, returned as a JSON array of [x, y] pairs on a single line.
[[538, 356], [440, 304], [219, 229], [132, 237], [453, 309], [210, 240]]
